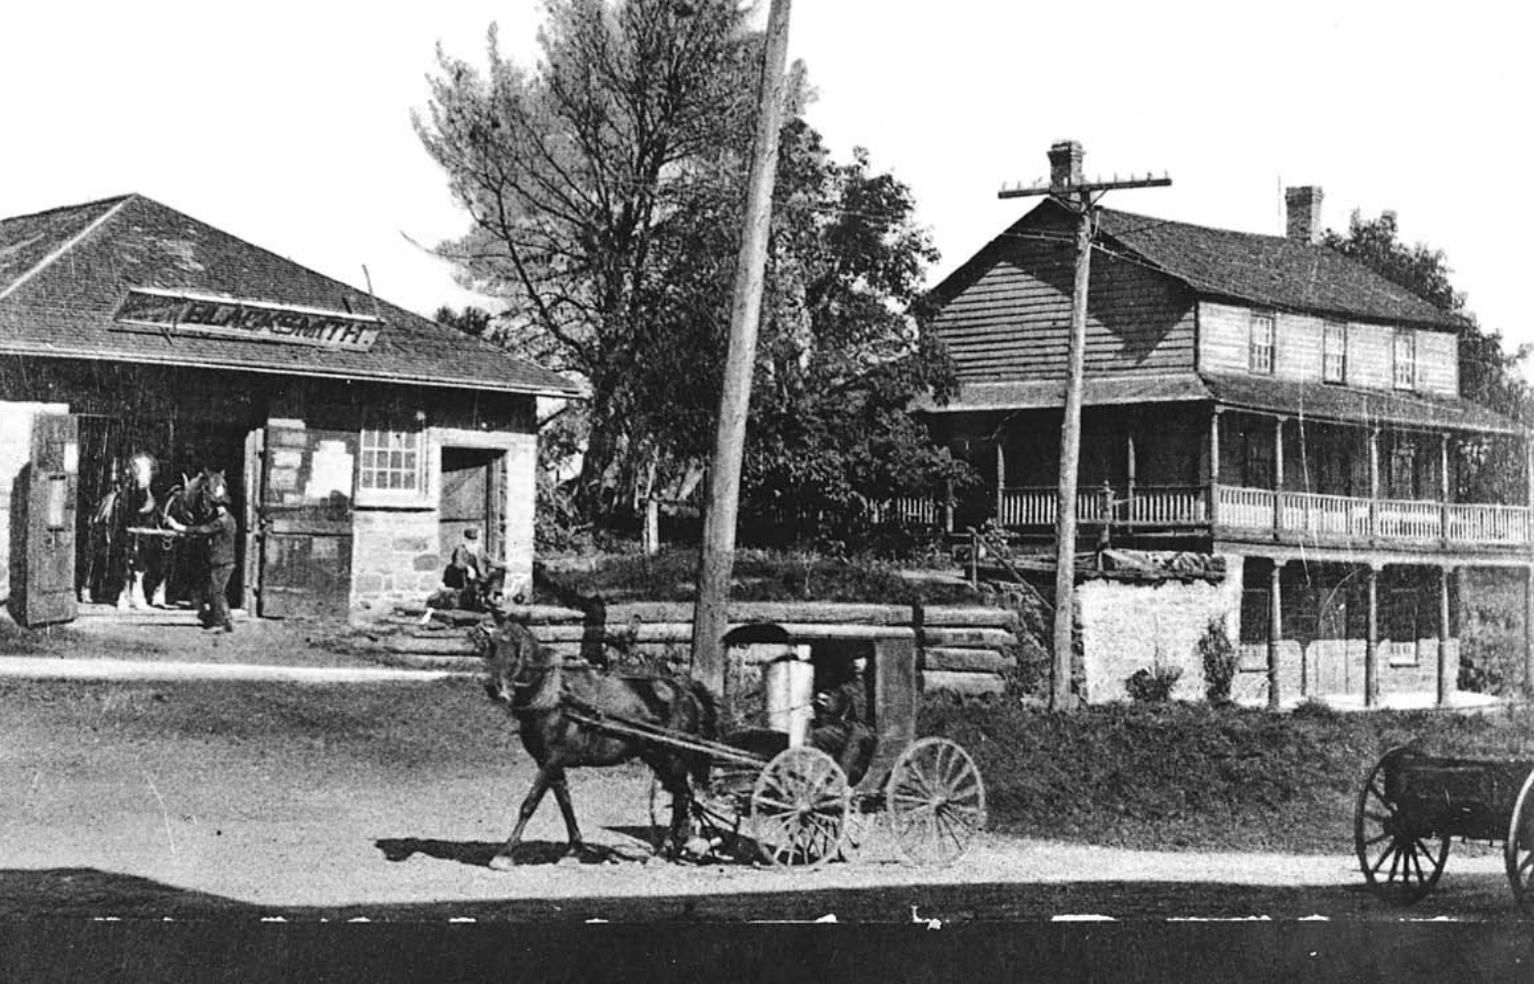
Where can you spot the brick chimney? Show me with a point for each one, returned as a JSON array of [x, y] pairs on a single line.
[[1065, 163], [1304, 206]]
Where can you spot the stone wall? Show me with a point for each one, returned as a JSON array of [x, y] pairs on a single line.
[[395, 559], [1128, 626]]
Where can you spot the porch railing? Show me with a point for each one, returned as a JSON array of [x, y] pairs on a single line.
[[1145, 506], [1295, 514], [1309, 514], [1322, 515], [1477, 523]]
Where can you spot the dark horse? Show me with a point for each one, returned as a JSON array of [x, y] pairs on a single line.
[[546, 697]]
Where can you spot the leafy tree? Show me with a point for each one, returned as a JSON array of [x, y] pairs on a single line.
[[606, 190], [584, 180], [471, 320], [830, 440], [1489, 374]]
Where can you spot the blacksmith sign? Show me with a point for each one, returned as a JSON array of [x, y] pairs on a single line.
[[231, 317]]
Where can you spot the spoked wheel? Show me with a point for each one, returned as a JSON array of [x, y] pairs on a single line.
[[799, 808], [1400, 859], [1518, 852], [713, 819], [936, 801]]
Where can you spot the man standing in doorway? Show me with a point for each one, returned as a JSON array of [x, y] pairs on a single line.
[[220, 531]]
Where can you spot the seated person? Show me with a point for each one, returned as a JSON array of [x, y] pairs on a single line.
[[836, 731], [467, 564]]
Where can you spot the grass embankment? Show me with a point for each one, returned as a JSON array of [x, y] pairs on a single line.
[[758, 576], [1196, 777]]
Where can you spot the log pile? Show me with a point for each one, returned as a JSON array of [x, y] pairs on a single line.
[[962, 649]]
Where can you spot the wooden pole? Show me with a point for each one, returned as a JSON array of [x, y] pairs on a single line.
[[1060, 695], [1067, 186], [717, 560], [1278, 475]]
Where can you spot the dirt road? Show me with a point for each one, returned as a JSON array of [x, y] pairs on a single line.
[[387, 801]]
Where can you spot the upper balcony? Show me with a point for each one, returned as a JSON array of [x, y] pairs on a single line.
[[1237, 513]]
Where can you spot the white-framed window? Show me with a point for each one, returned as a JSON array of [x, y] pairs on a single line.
[[1334, 352], [1405, 360], [1260, 347], [393, 467]]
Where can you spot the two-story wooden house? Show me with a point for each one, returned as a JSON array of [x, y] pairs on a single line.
[[1263, 398]]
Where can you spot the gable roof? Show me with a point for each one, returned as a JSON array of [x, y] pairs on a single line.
[[65, 272], [1266, 271]]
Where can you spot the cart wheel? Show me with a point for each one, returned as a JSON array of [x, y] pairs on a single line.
[[936, 801], [1401, 862], [799, 808], [1519, 849]]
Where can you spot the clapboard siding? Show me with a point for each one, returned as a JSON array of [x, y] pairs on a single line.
[[1225, 332], [1012, 321], [1438, 363]]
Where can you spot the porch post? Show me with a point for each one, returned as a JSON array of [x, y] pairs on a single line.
[[1129, 448], [1443, 487], [948, 506], [1372, 640], [1001, 479], [1275, 624], [1528, 487], [1374, 478], [1445, 685], [1278, 474], [1528, 632], [1214, 466]]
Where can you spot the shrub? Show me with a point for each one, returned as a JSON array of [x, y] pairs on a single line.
[[1153, 686], [1220, 661]]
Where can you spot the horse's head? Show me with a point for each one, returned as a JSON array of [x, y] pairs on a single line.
[[194, 501], [142, 470], [516, 663]]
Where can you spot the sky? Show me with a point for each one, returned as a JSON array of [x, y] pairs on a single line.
[[289, 123]]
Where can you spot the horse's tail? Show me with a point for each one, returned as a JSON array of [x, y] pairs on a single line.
[[708, 727]]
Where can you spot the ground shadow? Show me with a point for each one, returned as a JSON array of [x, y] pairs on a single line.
[[478, 854], [90, 892]]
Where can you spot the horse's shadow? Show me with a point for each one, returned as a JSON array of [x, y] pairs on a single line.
[[478, 854]]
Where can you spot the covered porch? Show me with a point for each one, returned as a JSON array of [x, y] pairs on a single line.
[[1262, 465]]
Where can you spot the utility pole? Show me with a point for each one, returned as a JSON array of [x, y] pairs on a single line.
[[717, 561], [1067, 186]]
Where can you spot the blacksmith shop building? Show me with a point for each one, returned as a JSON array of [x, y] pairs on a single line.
[[358, 440]]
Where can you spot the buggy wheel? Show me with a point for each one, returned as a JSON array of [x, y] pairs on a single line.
[[799, 808], [1398, 858], [936, 801], [1518, 852]]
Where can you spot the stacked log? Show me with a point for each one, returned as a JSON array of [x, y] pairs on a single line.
[[962, 649]]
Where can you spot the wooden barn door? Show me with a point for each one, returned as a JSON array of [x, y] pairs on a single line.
[[45, 590], [305, 514], [473, 494]]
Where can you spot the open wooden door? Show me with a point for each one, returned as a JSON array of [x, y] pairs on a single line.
[[43, 585], [308, 478]]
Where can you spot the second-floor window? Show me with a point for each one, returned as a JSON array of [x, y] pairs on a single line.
[[1260, 351], [1405, 360], [1334, 352]]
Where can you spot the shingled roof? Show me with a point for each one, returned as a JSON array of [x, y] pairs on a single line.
[[1246, 267], [64, 273]]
